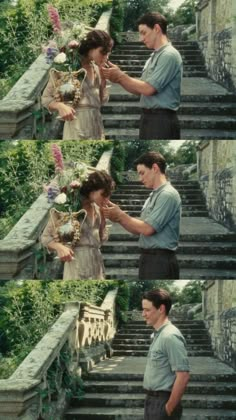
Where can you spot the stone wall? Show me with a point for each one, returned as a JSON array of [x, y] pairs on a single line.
[[219, 311], [217, 177], [216, 34]]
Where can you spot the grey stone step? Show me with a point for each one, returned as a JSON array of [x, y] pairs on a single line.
[[185, 213], [185, 261], [186, 108], [131, 274], [124, 134], [187, 247], [129, 68], [144, 347], [209, 388], [137, 400], [184, 237], [119, 339], [142, 353], [144, 331], [186, 121], [110, 413]]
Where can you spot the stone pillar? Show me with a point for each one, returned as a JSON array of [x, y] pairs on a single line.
[[212, 29]]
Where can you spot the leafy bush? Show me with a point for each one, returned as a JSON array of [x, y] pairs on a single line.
[[117, 20]]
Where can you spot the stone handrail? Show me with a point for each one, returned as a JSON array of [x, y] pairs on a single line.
[[17, 248], [87, 330], [18, 107]]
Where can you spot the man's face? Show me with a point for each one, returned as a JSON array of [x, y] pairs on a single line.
[[146, 175], [150, 313], [148, 35]]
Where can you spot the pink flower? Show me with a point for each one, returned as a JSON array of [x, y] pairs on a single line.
[[73, 44], [54, 18], [75, 184], [58, 158]]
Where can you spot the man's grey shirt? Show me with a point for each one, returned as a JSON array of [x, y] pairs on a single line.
[[162, 211], [163, 70], [167, 355]]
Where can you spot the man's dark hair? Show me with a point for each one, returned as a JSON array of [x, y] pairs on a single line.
[[153, 18], [159, 297], [149, 158], [98, 180]]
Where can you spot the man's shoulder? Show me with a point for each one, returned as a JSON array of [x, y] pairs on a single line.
[[169, 190], [171, 51], [171, 331]]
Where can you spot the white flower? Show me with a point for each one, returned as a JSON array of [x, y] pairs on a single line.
[[60, 58], [60, 199]]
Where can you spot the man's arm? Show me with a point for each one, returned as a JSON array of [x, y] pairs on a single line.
[[178, 389]]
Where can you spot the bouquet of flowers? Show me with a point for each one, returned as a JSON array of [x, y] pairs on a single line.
[[64, 193], [62, 51]]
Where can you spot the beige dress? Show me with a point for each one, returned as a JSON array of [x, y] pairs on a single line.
[[88, 262], [88, 124]]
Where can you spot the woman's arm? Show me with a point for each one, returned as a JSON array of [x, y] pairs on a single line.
[[66, 112]]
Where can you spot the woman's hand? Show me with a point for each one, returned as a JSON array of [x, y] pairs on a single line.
[[64, 253], [66, 112]]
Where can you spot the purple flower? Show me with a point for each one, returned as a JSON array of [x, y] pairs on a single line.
[[54, 18]]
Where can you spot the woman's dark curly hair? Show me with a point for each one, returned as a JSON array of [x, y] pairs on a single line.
[[98, 180], [95, 39]]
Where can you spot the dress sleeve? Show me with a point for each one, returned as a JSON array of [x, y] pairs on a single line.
[[48, 94]]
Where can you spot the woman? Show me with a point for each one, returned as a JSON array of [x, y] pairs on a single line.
[[85, 122], [85, 260]]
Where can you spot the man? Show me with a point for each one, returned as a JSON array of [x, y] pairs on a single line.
[[167, 369], [158, 226], [160, 83]]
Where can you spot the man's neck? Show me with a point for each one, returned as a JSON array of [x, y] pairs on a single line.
[[160, 42], [161, 322], [161, 180]]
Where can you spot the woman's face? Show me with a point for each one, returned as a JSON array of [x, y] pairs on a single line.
[[98, 198], [97, 55]]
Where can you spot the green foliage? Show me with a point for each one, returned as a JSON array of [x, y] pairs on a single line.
[[139, 287], [191, 293], [30, 307], [118, 161], [186, 153], [136, 8], [26, 165], [117, 19], [136, 148], [185, 14]]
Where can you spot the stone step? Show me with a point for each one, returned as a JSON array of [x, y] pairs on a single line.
[[144, 347], [137, 400], [213, 237], [128, 376], [129, 68], [110, 413], [117, 58], [186, 73], [209, 388], [208, 248], [185, 213], [186, 121], [143, 353], [185, 261], [120, 340], [144, 330], [131, 274], [190, 336], [186, 108], [186, 134]]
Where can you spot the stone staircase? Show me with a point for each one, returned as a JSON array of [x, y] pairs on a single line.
[[207, 110], [113, 389], [206, 249]]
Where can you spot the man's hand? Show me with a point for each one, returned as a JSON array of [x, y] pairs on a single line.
[[112, 73], [112, 212]]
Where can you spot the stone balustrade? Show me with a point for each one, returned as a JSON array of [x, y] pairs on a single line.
[[19, 108], [219, 313], [84, 333], [18, 248]]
